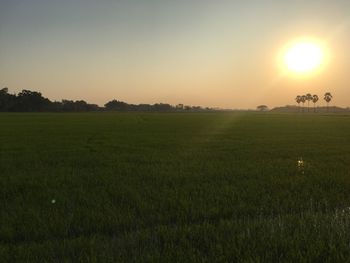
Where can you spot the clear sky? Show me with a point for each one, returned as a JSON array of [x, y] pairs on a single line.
[[198, 52]]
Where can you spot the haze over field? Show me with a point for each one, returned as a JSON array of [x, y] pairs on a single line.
[[210, 53]]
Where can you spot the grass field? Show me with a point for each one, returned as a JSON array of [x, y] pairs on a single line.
[[194, 187]]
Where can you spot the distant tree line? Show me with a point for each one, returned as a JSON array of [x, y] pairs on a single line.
[[314, 98], [32, 101]]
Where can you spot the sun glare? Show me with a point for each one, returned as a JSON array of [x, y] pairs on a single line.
[[303, 57]]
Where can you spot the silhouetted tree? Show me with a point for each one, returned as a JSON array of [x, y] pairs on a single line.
[[180, 106], [4, 91], [116, 105], [162, 107], [67, 105], [77, 106], [328, 97], [7, 101], [55, 106], [144, 107], [302, 100], [308, 98], [31, 101], [314, 100], [262, 108]]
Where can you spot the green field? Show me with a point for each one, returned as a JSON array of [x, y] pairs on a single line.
[[174, 187]]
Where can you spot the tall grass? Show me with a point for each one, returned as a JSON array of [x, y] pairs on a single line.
[[201, 187]]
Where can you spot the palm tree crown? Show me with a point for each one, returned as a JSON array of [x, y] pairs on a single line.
[[302, 100], [308, 98], [328, 97]]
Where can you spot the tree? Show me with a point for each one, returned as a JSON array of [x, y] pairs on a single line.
[[116, 105], [298, 100], [314, 100], [4, 91], [262, 108], [308, 98], [31, 101], [6, 100], [179, 106], [144, 107], [328, 97], [162, 107], [302, 100]]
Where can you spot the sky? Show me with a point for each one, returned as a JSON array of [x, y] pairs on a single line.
[[220, 53]]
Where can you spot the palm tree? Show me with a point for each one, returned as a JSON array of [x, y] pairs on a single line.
[[308, 98], [328, 97], [314, 100], [298, 100], [303, 99]]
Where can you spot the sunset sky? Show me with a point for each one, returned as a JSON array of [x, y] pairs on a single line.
[[211, 53]]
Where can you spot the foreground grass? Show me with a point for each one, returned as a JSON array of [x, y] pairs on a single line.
[[208, 187]]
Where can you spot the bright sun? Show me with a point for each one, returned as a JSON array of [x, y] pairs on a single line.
[[303, 57]]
